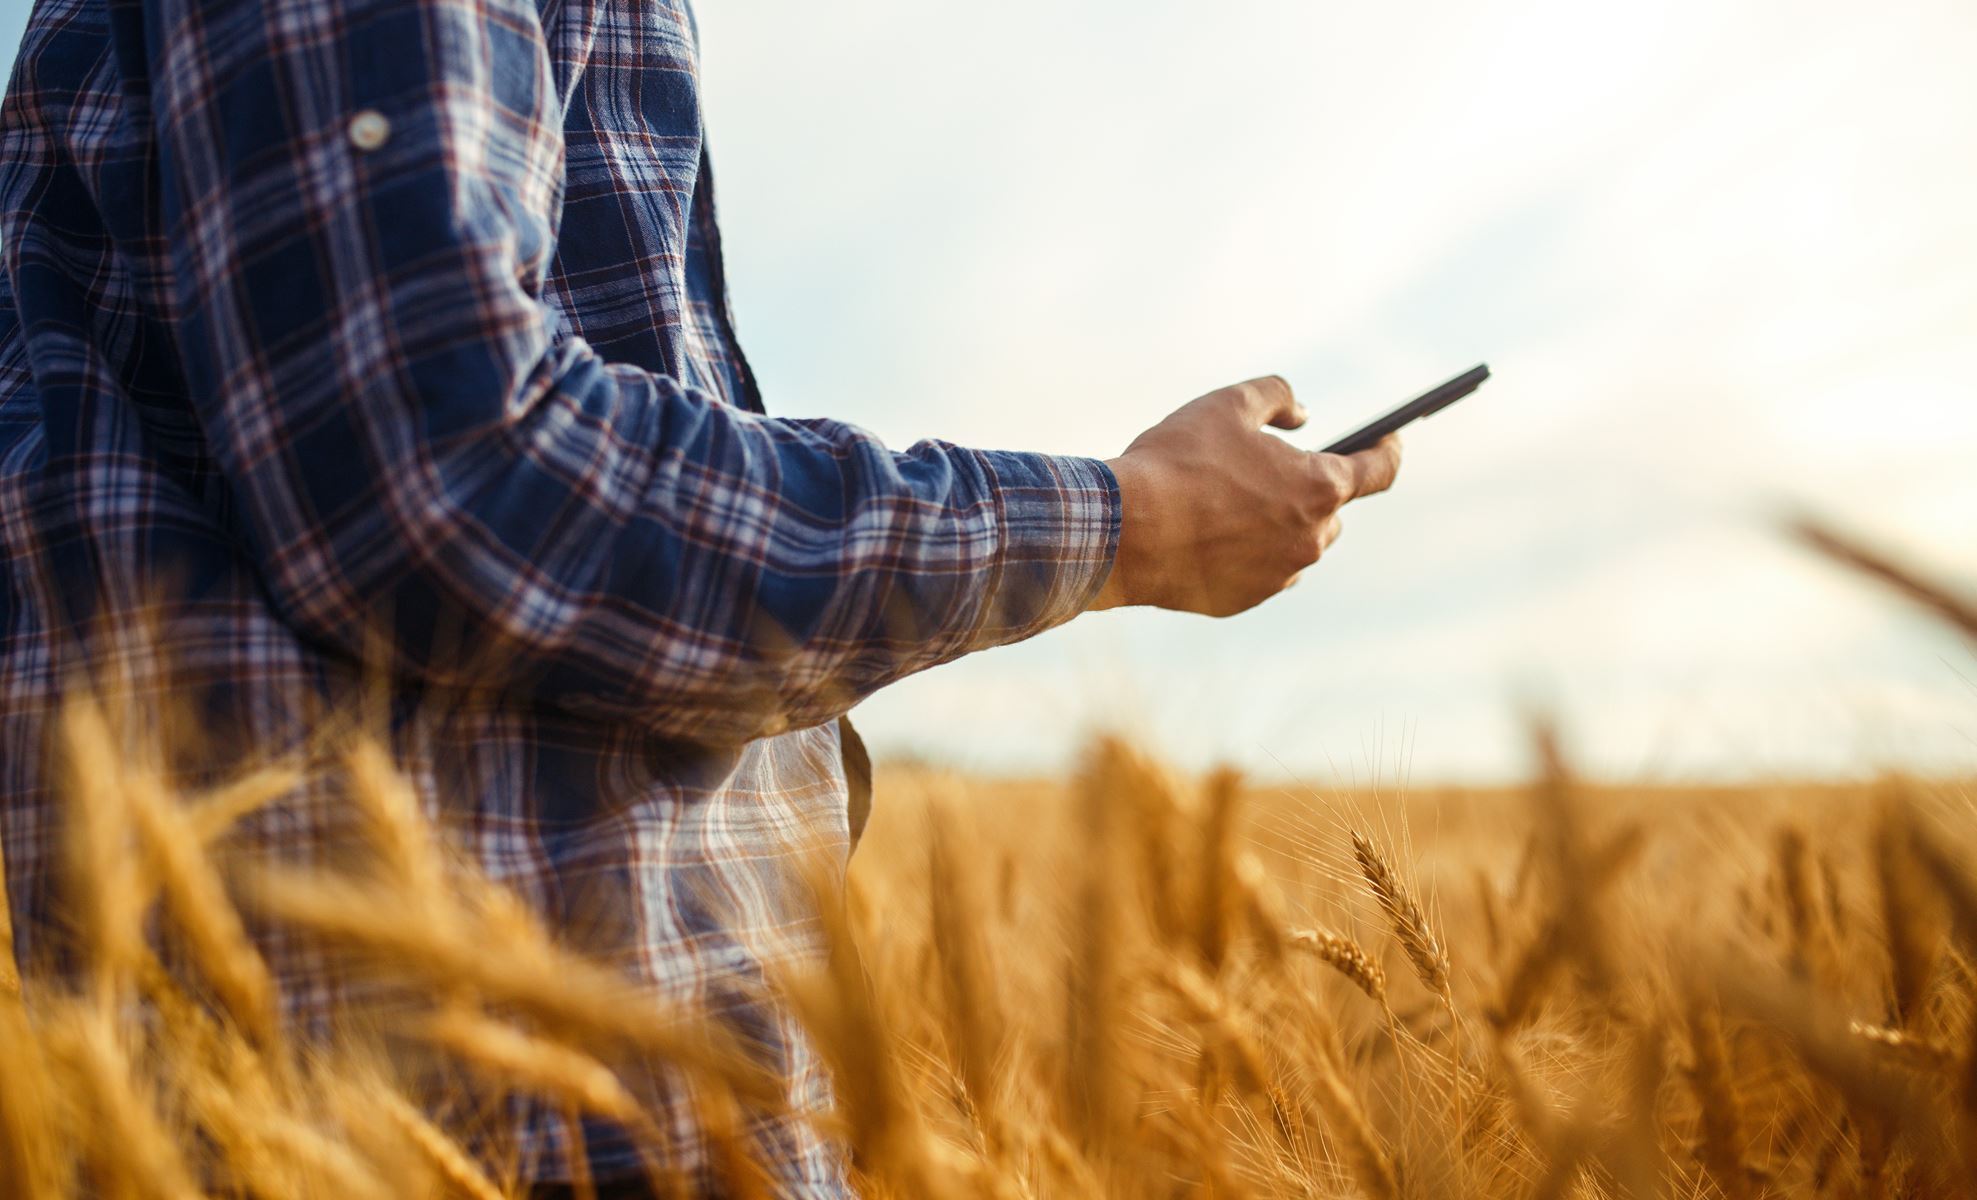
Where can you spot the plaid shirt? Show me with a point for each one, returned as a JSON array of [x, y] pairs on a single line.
[[381, 329]]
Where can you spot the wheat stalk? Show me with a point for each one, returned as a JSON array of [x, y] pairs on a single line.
[[1914, 1048], [102, 869], [1423, 950], [1410, 925], [30, 1126], [10, 980], [442, 1152], [1214, 885], [400, 832], [1205, 1002], [1720, 1145], [1913, 933], [558, 989], [1959, 611], [506, 1055], [1347, 957], [144, 1157], [1370, 1162], [974, 1018], [198, 899]]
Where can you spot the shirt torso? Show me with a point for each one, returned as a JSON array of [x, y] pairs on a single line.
[[660, 857]]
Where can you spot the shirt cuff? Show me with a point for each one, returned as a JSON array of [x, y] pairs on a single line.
[[1059, 522]]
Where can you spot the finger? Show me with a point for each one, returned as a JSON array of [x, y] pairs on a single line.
[[1268, 401], [1372, 471], [1329, 533]]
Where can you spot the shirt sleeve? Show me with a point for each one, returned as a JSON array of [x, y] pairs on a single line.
[[363, 199]]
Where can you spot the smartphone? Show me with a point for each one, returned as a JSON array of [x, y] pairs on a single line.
[[1425, 405]]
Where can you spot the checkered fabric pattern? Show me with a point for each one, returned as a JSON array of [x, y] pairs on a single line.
[[394, 332]]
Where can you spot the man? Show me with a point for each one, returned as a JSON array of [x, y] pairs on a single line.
[[392, 332]]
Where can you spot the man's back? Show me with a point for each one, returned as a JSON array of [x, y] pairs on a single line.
[[332, 329]]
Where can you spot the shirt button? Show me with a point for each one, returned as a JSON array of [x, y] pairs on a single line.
[[369, 129]]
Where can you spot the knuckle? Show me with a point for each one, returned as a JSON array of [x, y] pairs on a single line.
[[1328, 481]]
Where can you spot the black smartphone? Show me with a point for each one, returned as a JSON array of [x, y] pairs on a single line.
[[1425, 405]]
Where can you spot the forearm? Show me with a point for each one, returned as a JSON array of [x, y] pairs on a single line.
[[760, 574]]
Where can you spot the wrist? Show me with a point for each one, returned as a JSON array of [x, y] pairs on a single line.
[[1117, 590]]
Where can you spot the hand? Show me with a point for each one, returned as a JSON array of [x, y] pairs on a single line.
[[1220, 516]]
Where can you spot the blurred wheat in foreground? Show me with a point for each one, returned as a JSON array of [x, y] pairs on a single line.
[[1128, 984]]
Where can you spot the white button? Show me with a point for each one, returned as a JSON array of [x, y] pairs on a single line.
[[369, 129]]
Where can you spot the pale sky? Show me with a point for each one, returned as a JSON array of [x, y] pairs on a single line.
[[1720, 256]]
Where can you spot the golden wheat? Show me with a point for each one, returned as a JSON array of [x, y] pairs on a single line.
[[1100, 988], [1410, 925], [1345, 956]]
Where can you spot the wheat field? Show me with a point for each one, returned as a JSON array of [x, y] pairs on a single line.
[[1125, 983]]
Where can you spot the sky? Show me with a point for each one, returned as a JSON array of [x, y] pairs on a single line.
[[1722, 258]]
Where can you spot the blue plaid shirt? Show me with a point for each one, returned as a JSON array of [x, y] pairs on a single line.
[[394, 332]]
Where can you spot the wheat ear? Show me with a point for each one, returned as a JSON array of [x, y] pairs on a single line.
[[1347, 957], [1720, 1145], [1423, 950], [445, 1155], [198, 899], [1410, 924], [1915, 1049]]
